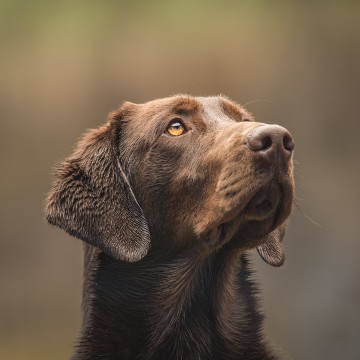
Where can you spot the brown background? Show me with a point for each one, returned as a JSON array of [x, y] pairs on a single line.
[[64, 65]]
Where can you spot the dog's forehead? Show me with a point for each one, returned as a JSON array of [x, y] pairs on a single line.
[[213, 110]]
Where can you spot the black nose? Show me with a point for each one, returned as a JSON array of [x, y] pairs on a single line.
[[269, 139]]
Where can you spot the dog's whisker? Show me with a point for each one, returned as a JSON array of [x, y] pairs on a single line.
[[301, 199], [304, 215], [256, 101]]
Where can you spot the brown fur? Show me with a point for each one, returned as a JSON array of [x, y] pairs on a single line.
[[167, 222]]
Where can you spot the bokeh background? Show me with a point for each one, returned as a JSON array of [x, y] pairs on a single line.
[[64, 65]]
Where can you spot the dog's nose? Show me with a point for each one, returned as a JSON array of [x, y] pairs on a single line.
[[269, 139]]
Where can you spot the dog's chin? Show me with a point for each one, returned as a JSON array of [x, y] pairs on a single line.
[[261, 216], [266, 210], [250, 232]]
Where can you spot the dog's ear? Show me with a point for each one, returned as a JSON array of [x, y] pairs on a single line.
[[92, 200], [272, 250]]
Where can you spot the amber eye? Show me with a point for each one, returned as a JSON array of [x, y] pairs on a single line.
[[176, 128]]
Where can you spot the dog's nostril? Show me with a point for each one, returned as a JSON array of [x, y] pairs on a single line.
[[258, 143], [288, 143], [266, 143]]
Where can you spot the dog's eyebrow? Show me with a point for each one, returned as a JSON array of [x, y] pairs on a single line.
[[233, 111], [186, 107]]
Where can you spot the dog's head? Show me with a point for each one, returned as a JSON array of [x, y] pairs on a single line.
[[181, 171]]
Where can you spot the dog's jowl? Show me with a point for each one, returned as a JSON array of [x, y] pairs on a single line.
[[169, 197]]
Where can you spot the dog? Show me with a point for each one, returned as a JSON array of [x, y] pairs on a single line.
[[169, 196]]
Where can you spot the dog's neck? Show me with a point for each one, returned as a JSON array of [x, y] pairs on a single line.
[[187, 307]]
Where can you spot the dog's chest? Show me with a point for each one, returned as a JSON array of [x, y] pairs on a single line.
[[177, 312]]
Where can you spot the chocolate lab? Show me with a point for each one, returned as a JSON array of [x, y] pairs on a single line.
[[169, 196]]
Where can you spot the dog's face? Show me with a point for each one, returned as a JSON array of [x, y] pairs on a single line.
[[188, 171]]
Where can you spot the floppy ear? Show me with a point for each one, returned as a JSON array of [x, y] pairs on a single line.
[[272, 250], [92, 200]]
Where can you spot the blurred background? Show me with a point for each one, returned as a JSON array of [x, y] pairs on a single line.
[[64, 65]]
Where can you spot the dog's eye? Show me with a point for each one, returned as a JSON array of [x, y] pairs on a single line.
[[246, 119], [176, 128]]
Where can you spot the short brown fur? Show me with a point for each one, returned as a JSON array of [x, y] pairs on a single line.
[[167, 222]]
